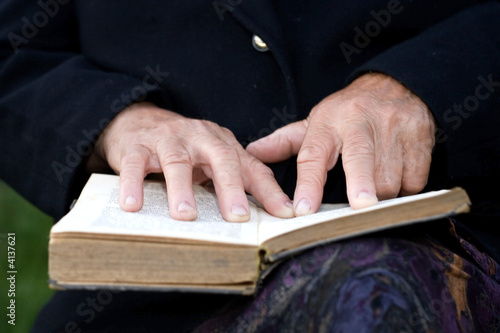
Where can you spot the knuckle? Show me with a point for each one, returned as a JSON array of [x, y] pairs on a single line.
[[186, 128], [204, 125], [313, 153], [312, 181], [362, 103], [253, 165], [181, 123], [358, 135], [199, 125], [229, 187], [255, 171], [136, 151], [223, 151], [134, 158], [357, 157], [174, 157], [226, 132]]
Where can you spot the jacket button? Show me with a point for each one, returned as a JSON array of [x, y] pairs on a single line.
[[259, 44]]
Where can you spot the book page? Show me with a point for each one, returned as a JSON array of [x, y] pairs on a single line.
[[97, 211], [271, 226]]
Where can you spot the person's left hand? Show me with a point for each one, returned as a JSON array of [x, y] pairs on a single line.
[[384, 132]]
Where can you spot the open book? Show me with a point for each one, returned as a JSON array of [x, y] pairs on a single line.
[[98, 245]]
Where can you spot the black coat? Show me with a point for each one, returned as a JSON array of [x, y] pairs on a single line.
[[67, 68]]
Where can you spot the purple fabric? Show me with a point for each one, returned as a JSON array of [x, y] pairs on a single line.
[[374, 284]]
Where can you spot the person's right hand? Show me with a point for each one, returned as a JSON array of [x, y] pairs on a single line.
[[145, 139]]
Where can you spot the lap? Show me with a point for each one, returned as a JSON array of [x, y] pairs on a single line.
[[404, 280], [379, 283]]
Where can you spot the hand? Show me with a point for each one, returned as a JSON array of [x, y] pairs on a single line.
[[384, 132], [145, 139]]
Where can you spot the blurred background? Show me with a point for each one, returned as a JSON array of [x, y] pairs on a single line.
[[31, 228]]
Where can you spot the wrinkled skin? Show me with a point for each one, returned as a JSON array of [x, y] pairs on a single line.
[[384, 132]]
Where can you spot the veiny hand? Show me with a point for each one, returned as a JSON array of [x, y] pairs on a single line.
[[145, 139], [384, 132]]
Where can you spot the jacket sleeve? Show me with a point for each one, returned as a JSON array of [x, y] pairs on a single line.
[[454, 67], [53, 102]]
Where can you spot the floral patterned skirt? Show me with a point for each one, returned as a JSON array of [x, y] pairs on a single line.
[[376, 283]]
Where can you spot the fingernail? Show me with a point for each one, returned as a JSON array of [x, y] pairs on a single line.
[[303, 207], [130, 200], [366, 195], [185, 207], [285, 211], [239, 210], [365, 199]]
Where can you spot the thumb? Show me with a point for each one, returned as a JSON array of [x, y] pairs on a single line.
[[281, 144]]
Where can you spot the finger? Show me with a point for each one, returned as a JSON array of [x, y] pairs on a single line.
[[132, 173], [281, 144], [389, 162], [416, 171], [358, 159], [418, 157], [260, 182], [317, 155], [224, 167], [177, 168]]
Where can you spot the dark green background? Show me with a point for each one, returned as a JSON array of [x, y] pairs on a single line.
[[31, 227]]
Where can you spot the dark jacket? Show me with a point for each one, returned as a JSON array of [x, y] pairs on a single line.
[[67, 68]]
